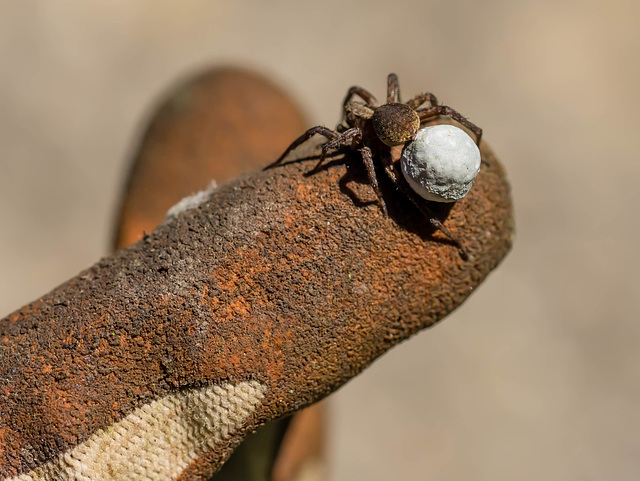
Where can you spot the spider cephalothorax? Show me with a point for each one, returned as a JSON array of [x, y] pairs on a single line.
[[372, 129]]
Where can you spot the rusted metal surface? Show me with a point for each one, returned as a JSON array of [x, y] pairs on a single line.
[[295, 281], [244, 120], [245, 117]]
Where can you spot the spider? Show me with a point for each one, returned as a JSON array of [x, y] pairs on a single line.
[[372, 130]]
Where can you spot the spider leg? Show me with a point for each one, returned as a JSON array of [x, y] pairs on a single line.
[[365, 95], [328, 133], [436, 223], [438, 110], [419, 99], [393, 89], [367, 158], [419, 203], [387, 162], [349, 137]]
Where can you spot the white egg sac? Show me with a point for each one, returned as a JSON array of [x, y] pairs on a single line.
[[441, 163]]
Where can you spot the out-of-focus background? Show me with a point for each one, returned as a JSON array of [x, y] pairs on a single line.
[[537, 375]]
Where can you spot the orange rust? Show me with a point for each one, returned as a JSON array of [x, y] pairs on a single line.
[[369, 282], [331, 322], [234, 121], [217, 125]]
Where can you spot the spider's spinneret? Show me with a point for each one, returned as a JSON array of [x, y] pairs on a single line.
[[395, 123], [441, 163]]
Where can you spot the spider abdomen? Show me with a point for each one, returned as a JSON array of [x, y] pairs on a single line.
[[395, 123]]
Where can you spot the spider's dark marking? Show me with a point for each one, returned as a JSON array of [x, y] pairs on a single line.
[[371, 129]]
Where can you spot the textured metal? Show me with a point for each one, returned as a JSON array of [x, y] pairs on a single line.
[[295, 281], [217, 125]]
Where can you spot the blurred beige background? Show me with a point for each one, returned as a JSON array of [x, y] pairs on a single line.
[[537, 375]]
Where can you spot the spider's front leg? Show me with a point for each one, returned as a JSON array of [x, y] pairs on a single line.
[[348, 138], [438, 110], [320, 130], [364, 94], [419, 99], [353, 138]]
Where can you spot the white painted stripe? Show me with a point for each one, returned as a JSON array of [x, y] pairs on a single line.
[[157, 441]]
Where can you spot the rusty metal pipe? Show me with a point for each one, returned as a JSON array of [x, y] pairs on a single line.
[[218, 124], [293, 283]]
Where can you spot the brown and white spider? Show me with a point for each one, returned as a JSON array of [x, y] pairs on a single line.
[[372, 129]]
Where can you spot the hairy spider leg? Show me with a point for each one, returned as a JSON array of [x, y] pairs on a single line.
[[389, 168], [348, 138], [364, 94], [436, 223], [393, 89], [419, 99], [318, 129], [353, 138], [438, 110], [367, 158]]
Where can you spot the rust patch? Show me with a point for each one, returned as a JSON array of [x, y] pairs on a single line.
[[369, 282], [219, 112], [218, 125]]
